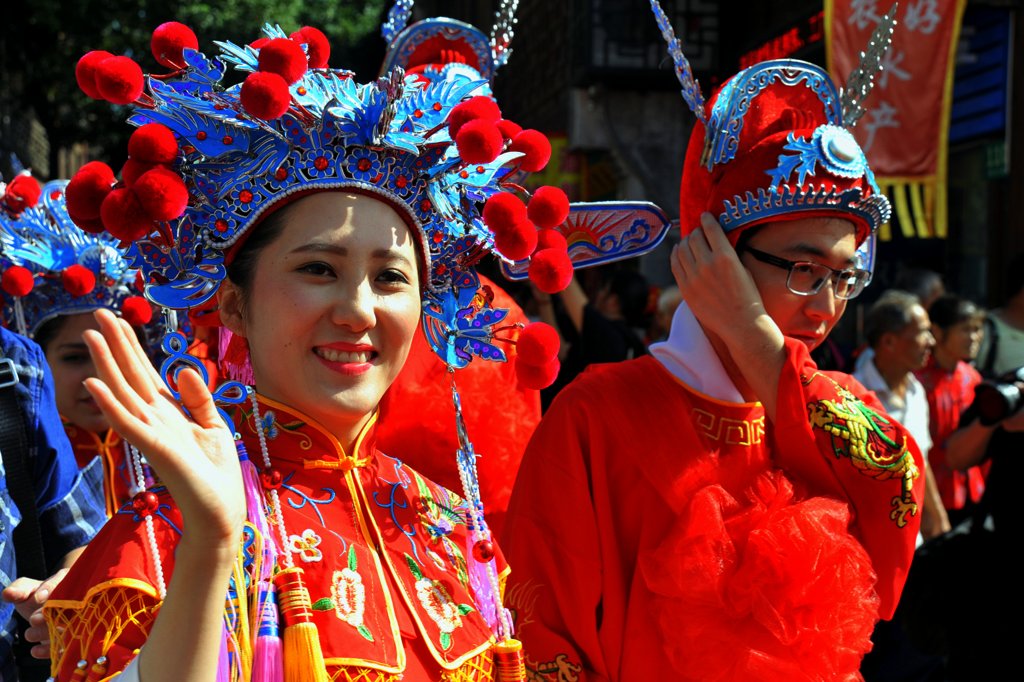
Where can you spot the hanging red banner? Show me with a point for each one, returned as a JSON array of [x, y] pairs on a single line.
[[906, 128]]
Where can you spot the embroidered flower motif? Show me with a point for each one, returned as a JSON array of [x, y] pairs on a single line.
[[348, 596], [269, 425], [306, 545], [438, 604], [362, 164]]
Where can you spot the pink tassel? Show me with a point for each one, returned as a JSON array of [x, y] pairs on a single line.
[[224, 664], [267, 665], [253, 492]]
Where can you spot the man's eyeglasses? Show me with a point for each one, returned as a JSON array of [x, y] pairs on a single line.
[[807, 278]]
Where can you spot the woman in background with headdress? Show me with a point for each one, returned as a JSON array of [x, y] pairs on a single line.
[[329, 219], [725, 510], [54, 276]]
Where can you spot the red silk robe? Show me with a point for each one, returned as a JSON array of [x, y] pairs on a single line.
[[659, 533], [383, 552]]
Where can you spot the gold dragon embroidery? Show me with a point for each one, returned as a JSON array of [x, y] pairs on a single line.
[[860, 433]]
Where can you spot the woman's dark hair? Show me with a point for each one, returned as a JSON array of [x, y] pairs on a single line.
[[48, 331], [243, 266], [949, 310]]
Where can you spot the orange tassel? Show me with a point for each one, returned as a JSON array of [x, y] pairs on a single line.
[[508, 660], [300, 642]]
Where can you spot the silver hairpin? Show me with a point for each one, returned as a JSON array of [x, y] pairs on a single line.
[[862, 79], [502, 33], [691, 88]]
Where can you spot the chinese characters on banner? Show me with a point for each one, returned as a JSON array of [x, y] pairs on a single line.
[[906, 128]]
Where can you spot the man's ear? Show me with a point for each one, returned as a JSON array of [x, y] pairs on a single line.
[[888, 340], [231, 306]]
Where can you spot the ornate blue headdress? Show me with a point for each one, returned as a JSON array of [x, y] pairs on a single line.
[[389, 138], [436, 46], [53, 268]]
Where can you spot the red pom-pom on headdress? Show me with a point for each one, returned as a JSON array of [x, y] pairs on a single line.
[[259, 43], [90, 225], [548, 207], [132, 170], [317, 46], [85, 72], [509, 128], [265, 95], [550, 270], [537, 344], [119, 80], [535, 147], [284, 57], [136, 311], [479, 107], [503, 211], [517, 243], [78, 280], [153, 143], [551, 239], [169, 41], [87, 189], [162, 193], [537, 377], [22, 192], [479, 141], [17, 281], [123, 215]]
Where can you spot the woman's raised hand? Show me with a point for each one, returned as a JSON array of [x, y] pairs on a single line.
[[195, 457]]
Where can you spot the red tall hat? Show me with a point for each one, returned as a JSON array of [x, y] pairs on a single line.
[[774, 147]]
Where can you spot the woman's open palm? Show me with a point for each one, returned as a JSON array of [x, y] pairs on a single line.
[[193, 454]]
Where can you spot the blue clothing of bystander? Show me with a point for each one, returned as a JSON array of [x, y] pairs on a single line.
[[69, 501]]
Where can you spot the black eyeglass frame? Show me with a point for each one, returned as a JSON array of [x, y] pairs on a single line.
[[786, 264]]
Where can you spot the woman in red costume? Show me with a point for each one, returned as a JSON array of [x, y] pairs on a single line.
[[949, 381], [723, 510], [66, 274], [329, 219]]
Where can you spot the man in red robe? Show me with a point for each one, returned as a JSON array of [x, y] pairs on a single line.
[[722, 509]]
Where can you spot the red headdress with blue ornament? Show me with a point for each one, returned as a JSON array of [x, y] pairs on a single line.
[[774, 144]]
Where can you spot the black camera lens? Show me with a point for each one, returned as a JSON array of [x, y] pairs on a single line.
[[996, 401]]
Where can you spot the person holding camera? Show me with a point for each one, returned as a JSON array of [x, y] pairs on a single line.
[[967, 581]]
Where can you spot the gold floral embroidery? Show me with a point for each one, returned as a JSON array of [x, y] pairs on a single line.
[[438, 604], [348, 596]]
